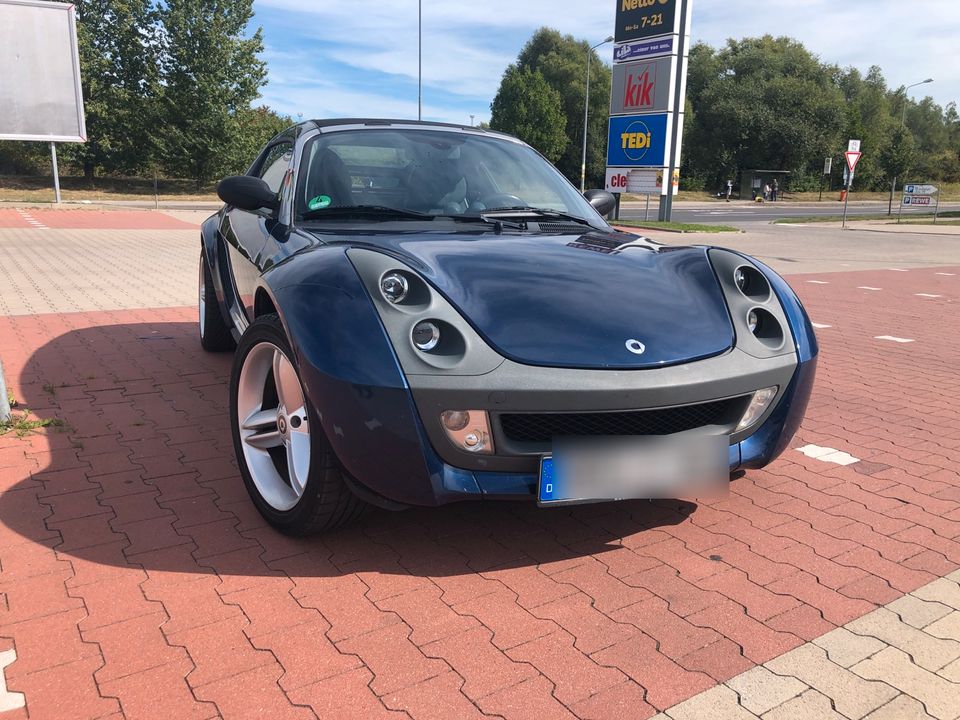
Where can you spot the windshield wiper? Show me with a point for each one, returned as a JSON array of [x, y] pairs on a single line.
[[537, 212], [374, 212]]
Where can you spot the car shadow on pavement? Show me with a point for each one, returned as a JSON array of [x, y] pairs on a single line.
[[141, 474]]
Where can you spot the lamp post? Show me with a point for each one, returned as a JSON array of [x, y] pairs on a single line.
[[903, 121], [419, 59], [586, 115]]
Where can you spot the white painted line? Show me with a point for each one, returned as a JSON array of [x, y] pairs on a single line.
[[827, 454], [818, 282], [9, 700], [891, 338], [927, 295], [897, 270], [794, 225], [867, 287], [947, 274], [821, 326]]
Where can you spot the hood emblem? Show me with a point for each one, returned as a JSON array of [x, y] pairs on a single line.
[[636, 347]]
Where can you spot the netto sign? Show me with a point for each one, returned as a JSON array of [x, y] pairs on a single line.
[[638, 19]]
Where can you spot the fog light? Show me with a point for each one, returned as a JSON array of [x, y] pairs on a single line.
[[758, 406], [394, 287], [468, 430], [753, 321], [740, 278], [426, 335]]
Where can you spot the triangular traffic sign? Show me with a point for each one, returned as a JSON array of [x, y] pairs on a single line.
[[852, 159]]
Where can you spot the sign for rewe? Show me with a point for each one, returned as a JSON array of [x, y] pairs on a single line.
[[917, 200], [637, 141], [641, 87]]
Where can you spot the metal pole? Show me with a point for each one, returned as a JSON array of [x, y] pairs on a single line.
[[936, 207], [646, 211], [666, 208], [419, 59], [900, 212], [586, 119], [616, 209], [156, 192], [846, 199], [821, 187], [4, 400], [56, 171]]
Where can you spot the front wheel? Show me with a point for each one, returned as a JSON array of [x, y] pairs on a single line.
[[287, 464]]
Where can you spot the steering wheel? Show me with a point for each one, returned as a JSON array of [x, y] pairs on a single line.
[[500, 200]]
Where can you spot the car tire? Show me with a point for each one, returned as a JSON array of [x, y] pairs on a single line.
[[215, 335], [297, 486]]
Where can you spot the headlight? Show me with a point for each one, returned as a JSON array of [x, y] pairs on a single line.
[[469, 430], [426, 335], [758, 406], [394, 287], [753, 321]]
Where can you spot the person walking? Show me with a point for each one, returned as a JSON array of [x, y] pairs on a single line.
[[775, 191]]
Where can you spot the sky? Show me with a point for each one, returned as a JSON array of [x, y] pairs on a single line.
[[358, 58]]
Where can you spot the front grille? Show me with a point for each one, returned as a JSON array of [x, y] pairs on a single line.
[[543, 427]]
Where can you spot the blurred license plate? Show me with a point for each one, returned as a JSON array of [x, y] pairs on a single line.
[[626, 468]]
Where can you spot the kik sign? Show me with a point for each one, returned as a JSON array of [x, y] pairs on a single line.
[[641, 87], [637, 141], [637, 19]]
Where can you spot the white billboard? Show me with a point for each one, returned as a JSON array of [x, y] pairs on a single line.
[[40, 95]]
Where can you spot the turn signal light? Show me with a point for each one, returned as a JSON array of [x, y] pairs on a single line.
[[469, 430], [758, 406]]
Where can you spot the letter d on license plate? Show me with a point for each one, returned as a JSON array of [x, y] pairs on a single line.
[[623, 468]]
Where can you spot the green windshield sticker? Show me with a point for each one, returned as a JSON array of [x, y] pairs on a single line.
[[319, 202]]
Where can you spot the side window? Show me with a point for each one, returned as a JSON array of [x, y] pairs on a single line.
[[275, 166]]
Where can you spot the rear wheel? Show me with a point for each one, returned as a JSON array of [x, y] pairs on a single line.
[[288, 466], [215, 335]]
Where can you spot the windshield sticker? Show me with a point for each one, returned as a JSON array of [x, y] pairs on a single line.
[[319, 202]]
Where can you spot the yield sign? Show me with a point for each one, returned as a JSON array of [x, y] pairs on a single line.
[[852, 159]]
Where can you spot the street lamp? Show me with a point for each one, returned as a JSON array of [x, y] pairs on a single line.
[[586, 115], [420, 60], [903, 120]]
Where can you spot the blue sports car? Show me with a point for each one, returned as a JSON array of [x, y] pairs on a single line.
[[425, 313]]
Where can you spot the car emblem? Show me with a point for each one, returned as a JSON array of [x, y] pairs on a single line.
[[636, 347]]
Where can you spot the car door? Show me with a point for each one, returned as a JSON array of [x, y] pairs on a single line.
[[246, 233]]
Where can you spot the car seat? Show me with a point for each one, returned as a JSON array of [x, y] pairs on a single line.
[[329, 176]]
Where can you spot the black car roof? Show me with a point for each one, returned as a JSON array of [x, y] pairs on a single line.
[[331, 122]]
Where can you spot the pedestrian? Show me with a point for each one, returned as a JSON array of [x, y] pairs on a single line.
[[775, 191], [729, 189], [766, 191]]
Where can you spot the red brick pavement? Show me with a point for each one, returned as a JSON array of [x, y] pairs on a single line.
[[90, 219], [138, 581]]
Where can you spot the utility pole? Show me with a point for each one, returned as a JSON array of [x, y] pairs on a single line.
[[419, 59]]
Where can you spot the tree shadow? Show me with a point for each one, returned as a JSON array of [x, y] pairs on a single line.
[[142, 474]]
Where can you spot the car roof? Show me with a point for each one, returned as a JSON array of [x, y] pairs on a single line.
[[380, 122]]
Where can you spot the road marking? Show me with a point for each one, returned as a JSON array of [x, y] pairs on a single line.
[[821, 326], [867, 287], [947, 274], [818, 282], [794, 225], [927, 295], [31, 219], [897, 270], [9, 700], [891, 338], [828, 454]]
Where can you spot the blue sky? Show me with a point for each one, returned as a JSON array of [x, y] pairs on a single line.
[[342, 58]]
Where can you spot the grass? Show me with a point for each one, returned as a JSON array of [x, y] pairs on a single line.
[[22, 424], [677, 226], [15, 188], [944, 218]]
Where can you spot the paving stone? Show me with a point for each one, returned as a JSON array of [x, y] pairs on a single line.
[[940, 696], [854, 696], [438, 698], [394, 660], [927, 650], [717, 702], [947, 627], [945, 590], [761, 690], [620, 702], [530, 700], [345, 697], [951, 672], [811, 704], [901, 707], [846, 648], [918, 612]]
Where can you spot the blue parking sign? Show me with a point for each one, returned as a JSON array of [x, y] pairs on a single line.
[[637, 141]]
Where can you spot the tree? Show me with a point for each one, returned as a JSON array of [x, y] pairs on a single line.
[[118, 62], [212, 73], [526, 106], [254, 127], [898, 154]]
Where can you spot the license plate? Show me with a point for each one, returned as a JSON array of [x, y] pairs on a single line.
[[583, 470]]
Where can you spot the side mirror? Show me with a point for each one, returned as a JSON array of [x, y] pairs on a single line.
[[247, 193], [603, 202]]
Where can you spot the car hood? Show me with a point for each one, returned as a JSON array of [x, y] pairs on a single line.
[[577, 301]]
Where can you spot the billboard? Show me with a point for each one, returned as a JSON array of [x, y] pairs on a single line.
[[638, 19], [641, 49], [641, 86], [637, 141], [40, 96]]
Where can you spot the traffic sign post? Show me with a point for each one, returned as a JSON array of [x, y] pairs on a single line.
[[916, 195], [853, 156], [827, 168]]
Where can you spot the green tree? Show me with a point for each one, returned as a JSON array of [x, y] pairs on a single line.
[[211, 72], [254, 127], [898, 154], [118, 65], [527, 107]]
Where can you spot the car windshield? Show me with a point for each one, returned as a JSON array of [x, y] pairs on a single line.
[[423, 174]]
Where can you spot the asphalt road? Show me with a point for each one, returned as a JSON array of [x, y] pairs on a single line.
[[737, 213]]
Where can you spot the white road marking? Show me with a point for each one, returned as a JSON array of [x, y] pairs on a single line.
[[828, 454], [794, 225], [947, 274], [891, 338], [927, 295], [818, 282], [867, 287], [31, 219], [9, 700], [821, 326], [897, 270]]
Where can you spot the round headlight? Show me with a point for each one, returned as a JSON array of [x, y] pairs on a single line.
[[394, 287], [753, 321], [455, 420], [426, 335]]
